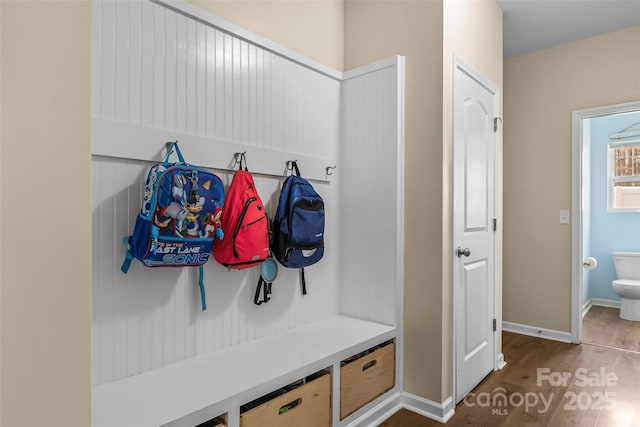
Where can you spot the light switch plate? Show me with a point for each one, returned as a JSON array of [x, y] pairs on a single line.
[[564, 217]]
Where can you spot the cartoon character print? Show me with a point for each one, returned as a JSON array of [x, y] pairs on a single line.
[[213, 225], [168, 219], [181, 218], [152, 177], [163, 221], [194, 230], [195, 202], [174, 215]]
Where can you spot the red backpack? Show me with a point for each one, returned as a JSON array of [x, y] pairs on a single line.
[[245, 225]]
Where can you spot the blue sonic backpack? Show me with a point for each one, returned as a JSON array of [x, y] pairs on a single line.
[[179, 219], [298, 226]]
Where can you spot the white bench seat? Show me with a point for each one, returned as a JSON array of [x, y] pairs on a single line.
[[194, 390]]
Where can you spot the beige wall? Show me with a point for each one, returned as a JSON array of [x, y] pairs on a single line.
[[313, 28], [45, 115], [427, 33], [541, 90], [1, 214], [473, 32], [46, 214], [376, 30], [45, 303]]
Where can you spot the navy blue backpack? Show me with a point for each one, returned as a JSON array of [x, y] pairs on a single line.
[[179, 219], [299, 224]]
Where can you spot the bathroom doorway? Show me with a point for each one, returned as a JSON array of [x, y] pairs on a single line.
[[601, 224]]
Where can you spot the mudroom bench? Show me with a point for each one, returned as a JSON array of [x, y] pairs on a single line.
[[194, 391], [166, 70]]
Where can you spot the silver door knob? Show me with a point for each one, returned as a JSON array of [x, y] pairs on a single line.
[[465, 252]]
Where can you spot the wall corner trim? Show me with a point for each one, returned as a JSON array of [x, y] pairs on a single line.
[[500, 363], [604, 303], [440, 412]]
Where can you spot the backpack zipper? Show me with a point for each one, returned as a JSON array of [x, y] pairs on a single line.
[[239, 223], [253, 222], [230, 265], [301, 246]]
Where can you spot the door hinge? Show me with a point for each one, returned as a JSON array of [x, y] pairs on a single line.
[[495, 224], [495, 123], [495, 325]]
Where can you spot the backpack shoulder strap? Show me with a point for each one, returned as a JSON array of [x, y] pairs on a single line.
[[127, 257], [303, 282], [173, 147], [203, 300], [283, 200]]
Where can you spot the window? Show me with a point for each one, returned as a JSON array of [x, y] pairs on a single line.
[[624, 176]]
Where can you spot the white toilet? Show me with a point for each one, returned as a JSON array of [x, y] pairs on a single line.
[[627, 286]]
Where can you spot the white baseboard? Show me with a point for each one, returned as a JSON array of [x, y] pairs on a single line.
[[380, 412], [605, 302], [586, 307], [535, 331], [440, 412], [599, 302]]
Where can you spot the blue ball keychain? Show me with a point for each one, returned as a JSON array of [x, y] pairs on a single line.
[[268, 273]]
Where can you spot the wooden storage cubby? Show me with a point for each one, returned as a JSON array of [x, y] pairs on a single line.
[[215, 422], [366, 376], [305, 403]]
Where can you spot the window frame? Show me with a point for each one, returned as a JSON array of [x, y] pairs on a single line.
[[612, 180]]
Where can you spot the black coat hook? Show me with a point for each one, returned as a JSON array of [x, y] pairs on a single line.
[[292, 165], [239, 158]]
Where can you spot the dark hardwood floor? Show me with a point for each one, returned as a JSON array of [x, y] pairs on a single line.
[[549, 383]]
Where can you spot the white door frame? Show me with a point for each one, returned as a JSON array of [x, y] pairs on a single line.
[[498, 358], [576, 205]]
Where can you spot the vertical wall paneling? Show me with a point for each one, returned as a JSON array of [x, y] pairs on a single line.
[[135, 63], [201, 87], [226, 42], [370, 160], [96, 59], [122, 56], [159, 75], [147, 65], [106, 97], [172, 78], [158, 93], [160, 69], [181, 73]]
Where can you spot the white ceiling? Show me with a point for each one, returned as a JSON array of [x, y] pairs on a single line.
[[537, 24]]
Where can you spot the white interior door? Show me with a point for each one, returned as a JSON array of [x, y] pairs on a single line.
[[474, 239]]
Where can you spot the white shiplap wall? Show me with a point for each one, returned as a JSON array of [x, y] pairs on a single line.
[[372, 228], [156, 69]]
